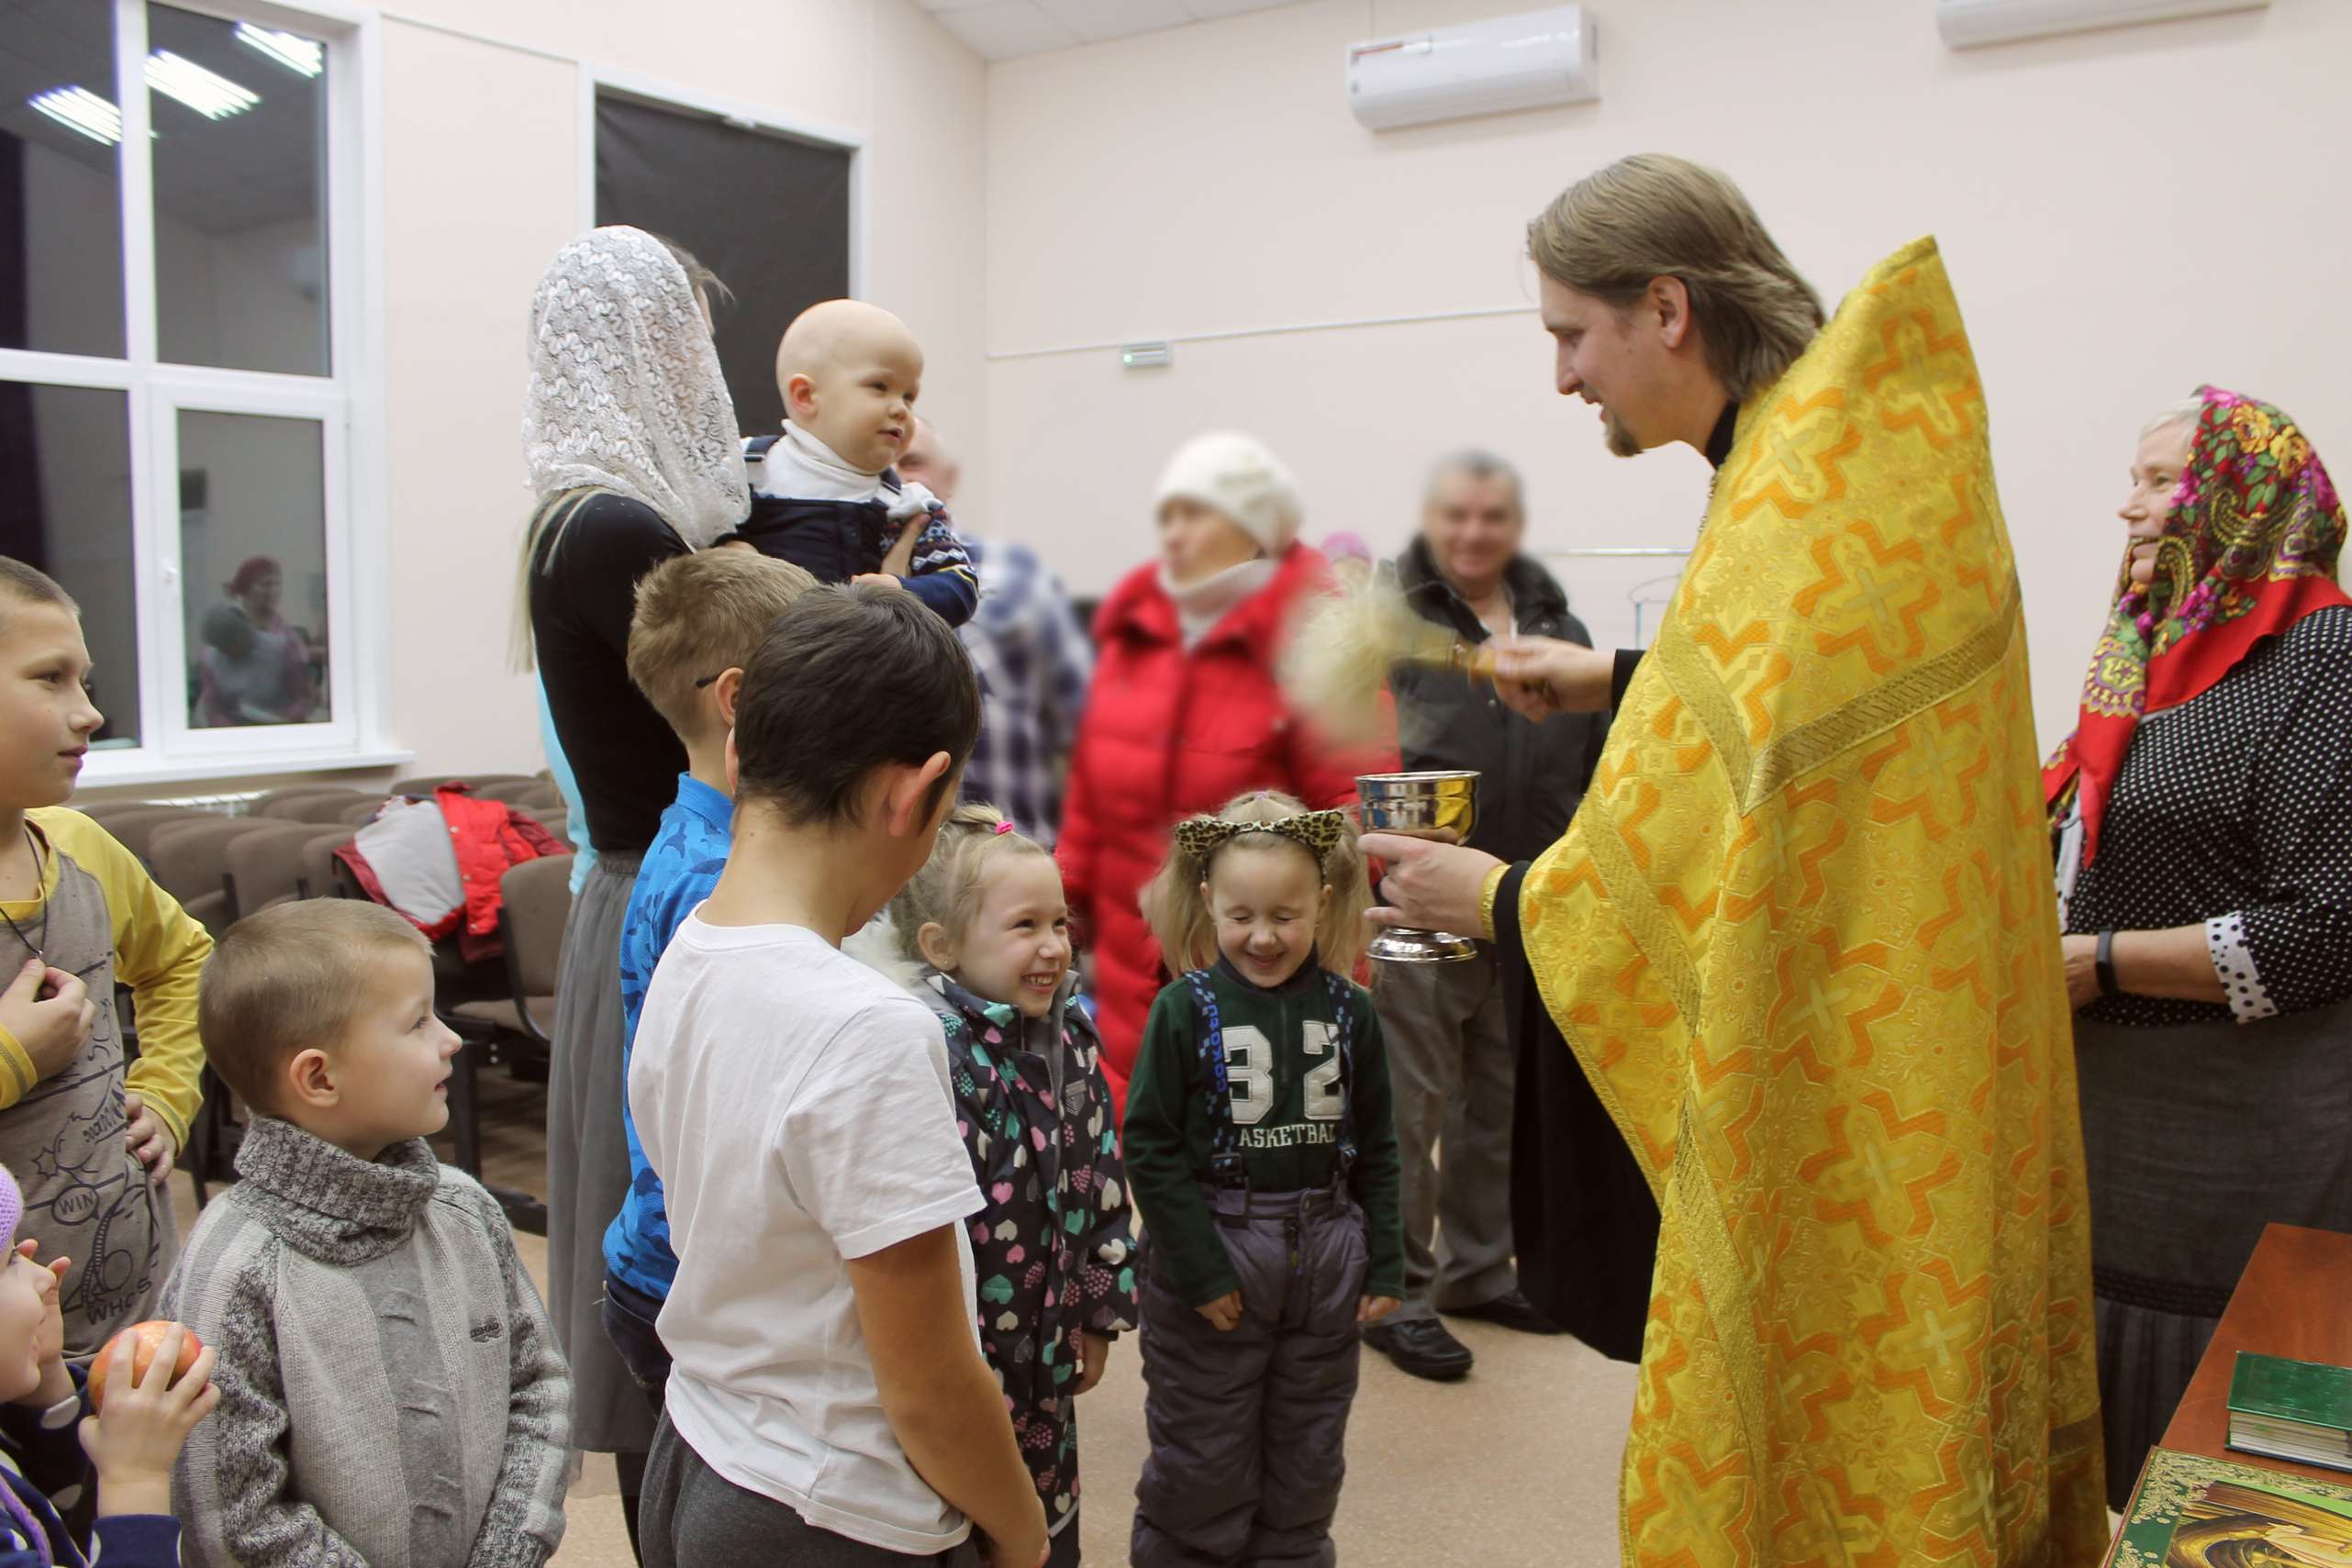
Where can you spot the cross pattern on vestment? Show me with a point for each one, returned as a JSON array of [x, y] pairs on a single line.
[[1786, 453], [1686, 1502], [1875, 596], [1934, 752], [1795, 459], [1775, 841], [1874, 1157], [1987, 1505], [1930, 406], [1821, 1007], [1937, 1337]]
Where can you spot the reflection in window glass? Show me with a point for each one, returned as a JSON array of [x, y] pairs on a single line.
[[253, 557], [240, 194], [65, 508], [60, 179]]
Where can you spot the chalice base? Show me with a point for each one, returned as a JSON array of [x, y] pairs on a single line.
[[1404, 944]]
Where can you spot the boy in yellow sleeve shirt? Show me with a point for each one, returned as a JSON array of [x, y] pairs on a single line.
[[90, 1142]]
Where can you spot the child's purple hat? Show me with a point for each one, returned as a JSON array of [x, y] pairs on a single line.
[[11, 1206]]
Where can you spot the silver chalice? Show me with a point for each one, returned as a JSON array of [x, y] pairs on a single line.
[[1422, 806]]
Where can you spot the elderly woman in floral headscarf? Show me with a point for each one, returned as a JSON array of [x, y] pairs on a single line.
[[634, 457], [2203, 810]]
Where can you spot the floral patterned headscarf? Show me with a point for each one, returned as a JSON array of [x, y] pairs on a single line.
[[2248, 549]]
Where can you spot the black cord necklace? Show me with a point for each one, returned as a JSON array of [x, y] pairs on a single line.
[[31, 946]]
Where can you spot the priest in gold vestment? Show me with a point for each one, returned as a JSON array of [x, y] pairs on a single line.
[[1800, 941]]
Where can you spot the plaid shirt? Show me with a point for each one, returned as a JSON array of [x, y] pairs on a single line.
[[1033, 661]]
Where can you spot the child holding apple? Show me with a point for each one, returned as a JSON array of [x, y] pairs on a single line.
[[390, 1388], [130, 1450]]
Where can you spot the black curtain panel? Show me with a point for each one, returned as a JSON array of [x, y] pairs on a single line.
[[769, 215], [21, 532]]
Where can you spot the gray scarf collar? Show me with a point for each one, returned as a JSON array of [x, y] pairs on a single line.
[[330, 1205]]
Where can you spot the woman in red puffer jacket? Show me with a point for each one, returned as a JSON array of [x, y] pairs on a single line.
[[1184, 713]]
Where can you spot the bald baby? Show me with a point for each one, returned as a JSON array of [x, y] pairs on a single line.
[[850, 374], [824, 496]]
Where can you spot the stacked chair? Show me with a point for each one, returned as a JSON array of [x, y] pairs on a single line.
[[222, 868]]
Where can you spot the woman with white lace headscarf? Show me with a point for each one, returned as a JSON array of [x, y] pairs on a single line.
[[634, 457]]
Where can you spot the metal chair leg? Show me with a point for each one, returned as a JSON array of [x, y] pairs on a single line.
[[197, 1158], [210, 1155], [464, 1105], [524, 1212]]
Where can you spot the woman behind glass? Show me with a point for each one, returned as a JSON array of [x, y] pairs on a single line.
[[253, 668]]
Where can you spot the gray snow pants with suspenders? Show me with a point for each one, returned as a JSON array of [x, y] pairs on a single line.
[[1249, 1429]]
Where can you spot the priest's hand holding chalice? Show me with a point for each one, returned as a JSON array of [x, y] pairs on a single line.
[[1401, 814], [1337, 669]]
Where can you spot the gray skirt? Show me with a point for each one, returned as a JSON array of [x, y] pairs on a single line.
[[2196, 1138], [587, 1160]]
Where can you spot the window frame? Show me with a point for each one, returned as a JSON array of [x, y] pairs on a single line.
[[734, 112], [347, 404]]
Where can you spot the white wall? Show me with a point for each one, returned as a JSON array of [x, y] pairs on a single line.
[[2126, 214], [482, 172]]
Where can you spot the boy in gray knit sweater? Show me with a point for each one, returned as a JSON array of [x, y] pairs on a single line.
[[391, 1392]]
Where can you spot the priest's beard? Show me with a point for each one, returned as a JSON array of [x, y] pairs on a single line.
[[1622, 442]]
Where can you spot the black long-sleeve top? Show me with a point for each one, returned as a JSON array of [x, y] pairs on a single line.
[[2233, 810]]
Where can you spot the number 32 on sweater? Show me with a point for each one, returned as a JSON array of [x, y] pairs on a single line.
[[1249, 1074]]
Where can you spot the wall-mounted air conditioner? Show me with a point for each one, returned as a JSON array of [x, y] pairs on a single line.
[[1479, 68], [1967, 23]]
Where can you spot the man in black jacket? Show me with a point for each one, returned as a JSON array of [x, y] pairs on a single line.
[[1449, 1049]]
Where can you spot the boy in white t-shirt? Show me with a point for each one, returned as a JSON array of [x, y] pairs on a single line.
[[828, 1402]]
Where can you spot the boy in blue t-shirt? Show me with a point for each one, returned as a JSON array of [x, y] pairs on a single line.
[[700, 618]]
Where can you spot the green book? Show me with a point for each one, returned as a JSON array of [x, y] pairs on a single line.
[[2306, 1393]]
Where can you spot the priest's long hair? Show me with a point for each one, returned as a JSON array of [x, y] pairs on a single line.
[[1652, 215]]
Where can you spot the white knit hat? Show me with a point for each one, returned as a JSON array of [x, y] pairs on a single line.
[[1234, 474]]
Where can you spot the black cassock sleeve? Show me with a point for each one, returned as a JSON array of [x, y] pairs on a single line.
[[1586, 1226]]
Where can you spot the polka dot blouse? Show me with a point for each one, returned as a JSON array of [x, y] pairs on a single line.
[[2233, 811]]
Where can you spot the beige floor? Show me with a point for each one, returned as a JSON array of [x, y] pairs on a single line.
[[1515, 1468]]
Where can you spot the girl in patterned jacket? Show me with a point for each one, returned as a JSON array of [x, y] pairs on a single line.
[[981, 935]]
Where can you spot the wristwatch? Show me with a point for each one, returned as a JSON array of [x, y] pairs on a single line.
[[2104, 965]]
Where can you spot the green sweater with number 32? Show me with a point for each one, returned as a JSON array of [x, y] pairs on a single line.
[[1283, 1073]]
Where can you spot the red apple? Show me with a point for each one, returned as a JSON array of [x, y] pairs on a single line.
[[146, 1339]]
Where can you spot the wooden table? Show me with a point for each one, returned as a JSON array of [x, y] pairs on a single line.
[[2294, 1300]]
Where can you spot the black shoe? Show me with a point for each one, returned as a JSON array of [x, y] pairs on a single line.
[[1510, 1310], [1422, 1348]]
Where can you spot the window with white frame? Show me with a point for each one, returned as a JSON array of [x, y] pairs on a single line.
[[177, 374]]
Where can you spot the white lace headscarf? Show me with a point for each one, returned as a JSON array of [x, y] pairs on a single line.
[[625, 388]]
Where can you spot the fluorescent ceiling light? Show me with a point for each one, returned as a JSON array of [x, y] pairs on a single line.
[[80, 109], [214, 97], [292, 50]]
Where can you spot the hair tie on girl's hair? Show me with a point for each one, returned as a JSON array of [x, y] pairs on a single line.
[[1004, 827]]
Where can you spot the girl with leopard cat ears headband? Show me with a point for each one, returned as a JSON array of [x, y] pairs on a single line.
[[1261, 1148]]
